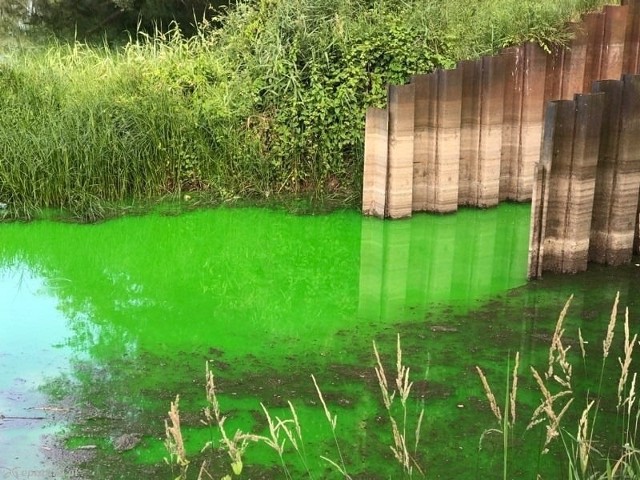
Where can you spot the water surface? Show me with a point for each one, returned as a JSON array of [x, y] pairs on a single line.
[[104, 324]]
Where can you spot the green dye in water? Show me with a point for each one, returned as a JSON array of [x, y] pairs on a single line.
[[104, 324]]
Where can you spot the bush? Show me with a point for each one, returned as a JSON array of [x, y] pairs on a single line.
[[271, 104]]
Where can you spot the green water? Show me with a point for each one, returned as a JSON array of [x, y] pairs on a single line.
[[102, 325]]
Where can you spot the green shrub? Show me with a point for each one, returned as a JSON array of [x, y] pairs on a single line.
[[271, 104]]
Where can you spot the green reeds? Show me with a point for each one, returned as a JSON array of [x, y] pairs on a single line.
[[88, 130], [269, 105]]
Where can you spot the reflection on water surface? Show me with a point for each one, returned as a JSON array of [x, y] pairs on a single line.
[[32, 351]]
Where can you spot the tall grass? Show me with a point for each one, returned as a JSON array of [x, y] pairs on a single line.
[[83, 129], [269, 105], [555, 384], [583, 459], [507, 418], [174, 442], [286, 434], [483, 28], [554, 415], [405, 457]]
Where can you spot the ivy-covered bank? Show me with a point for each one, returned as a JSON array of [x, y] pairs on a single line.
[[264, 103]]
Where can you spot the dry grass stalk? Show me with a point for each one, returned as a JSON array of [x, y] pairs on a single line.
[[403, 386], [583, 439], [298, 447], [514, 389], [582, 344], [174, 442], [203, 471], [387, 398], [403, 389], [296, 423], [490, 396], [288, 431], [558, 353], [608, 340], [546, 411], [235, 445], [333, 420], [293, 434], [631, 397], [553, 428], [400, 450], [564, 382], [274, 440], [507, 419], [553, 419], [340, 469], [624, 365], [402, 379], [274, 430], [557, 334], [630, 452], [212, 411], [513, 393], [417, 432]]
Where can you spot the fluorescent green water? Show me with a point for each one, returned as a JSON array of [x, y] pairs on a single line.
[[104, 324]]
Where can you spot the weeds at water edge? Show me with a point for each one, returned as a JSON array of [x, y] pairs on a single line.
[[555, 385], [288, 431], [583, 459]]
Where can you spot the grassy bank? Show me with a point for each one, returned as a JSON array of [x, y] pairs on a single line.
[[269, 106]]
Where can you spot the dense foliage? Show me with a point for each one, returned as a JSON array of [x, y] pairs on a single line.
[[270, 104], [92, 19]]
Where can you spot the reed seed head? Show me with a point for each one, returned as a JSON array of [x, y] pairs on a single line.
[[608, 340], [489, 394]]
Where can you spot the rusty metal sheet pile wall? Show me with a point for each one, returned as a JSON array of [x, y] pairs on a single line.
[[494, 142], [374, 178], [585, 202], [478, 134], [616, 207]]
